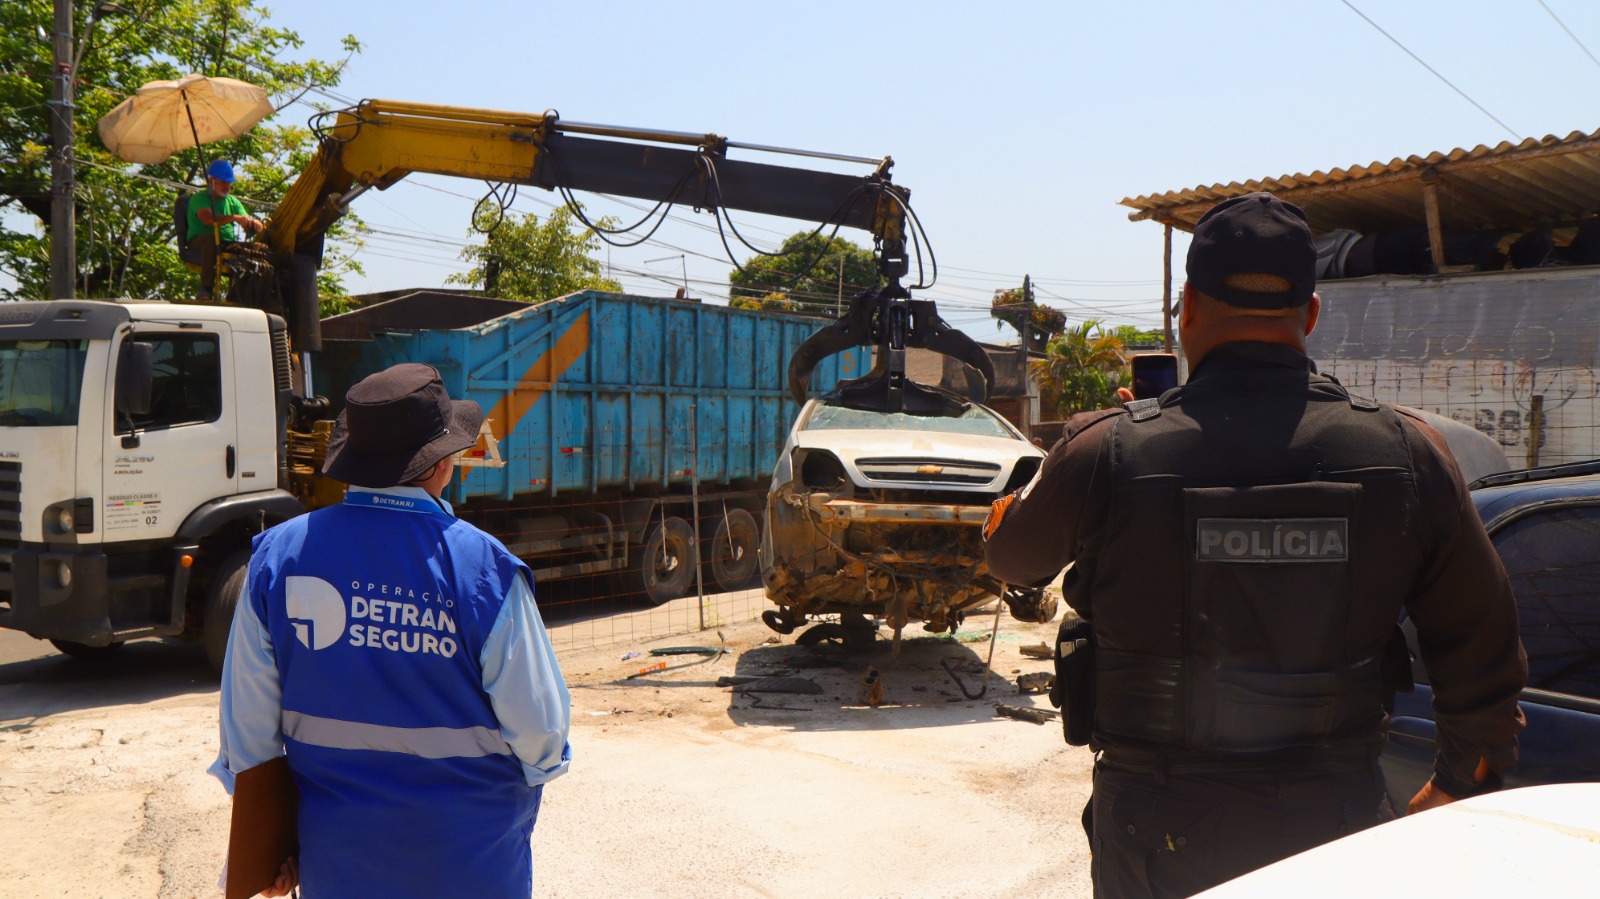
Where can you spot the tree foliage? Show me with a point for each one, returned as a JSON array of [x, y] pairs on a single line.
[[772, 302], [525, 259], [1082, 369], [815, 273], [1136, 337], [125, 235]]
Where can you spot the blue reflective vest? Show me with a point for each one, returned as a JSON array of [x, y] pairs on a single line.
[[378, 610]]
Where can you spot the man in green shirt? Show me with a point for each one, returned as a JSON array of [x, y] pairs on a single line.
[[216, 216]]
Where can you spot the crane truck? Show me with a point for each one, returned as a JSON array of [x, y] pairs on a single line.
[[143, 444]]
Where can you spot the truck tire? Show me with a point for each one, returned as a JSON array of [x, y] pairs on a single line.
[[733, 551], [666, 561], [221, 599], [85, 651]]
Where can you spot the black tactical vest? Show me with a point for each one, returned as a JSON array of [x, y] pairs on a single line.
[[1261, 541]]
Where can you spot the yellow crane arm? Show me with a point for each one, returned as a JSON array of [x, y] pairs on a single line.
[[381, 141]]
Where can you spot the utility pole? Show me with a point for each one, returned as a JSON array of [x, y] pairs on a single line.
[[683, 260], [63, 234], [1166, 292], [1024, 386]]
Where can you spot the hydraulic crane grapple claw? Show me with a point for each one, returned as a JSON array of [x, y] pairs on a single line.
[[889, 319]]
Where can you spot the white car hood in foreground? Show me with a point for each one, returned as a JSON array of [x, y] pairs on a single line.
[[850, 445], [1534, 841]]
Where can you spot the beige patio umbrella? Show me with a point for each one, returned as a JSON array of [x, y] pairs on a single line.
[[167, 116]]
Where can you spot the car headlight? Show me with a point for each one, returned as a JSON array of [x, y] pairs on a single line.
[[1022, 472], [820, 469]]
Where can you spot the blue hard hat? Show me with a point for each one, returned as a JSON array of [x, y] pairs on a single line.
[[221, 170]]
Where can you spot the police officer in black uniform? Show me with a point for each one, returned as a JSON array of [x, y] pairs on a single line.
[[1242, 549]]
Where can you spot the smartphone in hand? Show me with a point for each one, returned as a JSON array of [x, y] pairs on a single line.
[[1153, 374]]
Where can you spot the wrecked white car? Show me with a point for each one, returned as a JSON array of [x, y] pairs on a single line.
[[875, 515]]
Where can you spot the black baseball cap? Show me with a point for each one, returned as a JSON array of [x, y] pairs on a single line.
[[1256, 234]]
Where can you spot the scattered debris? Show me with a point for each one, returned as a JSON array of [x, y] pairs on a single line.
[[1026, 713], [1035, 682], [630, 655], [779, 685], [730, 680], [1036, 651], [872, 687], [659, 666], [715, 652], [771, 641], [951, 670], [689, 651]]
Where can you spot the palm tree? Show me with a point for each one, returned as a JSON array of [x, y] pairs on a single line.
[[1082, 369]]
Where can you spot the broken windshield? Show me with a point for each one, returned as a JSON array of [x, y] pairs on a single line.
[[975, 420], [40, 381]]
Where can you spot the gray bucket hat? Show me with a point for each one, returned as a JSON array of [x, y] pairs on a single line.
[[396, 425]]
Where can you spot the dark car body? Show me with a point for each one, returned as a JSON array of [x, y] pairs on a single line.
[[1545, 523]]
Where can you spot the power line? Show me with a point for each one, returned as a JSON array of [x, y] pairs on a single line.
[[1435, 72], [373, 240], [1569, 33]]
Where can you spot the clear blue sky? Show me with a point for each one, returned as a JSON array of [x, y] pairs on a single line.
[[1017, 126]]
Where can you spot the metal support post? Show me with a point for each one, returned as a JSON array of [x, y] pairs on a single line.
[[1166, 289], [694, 502], [1430, 209], [1535, 429]]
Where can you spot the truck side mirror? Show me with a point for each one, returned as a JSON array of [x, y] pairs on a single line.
[[135, 377]]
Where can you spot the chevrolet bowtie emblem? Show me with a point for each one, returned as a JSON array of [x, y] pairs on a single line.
[[930, 469]]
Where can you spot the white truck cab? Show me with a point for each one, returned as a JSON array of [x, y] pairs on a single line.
[[141, 446]]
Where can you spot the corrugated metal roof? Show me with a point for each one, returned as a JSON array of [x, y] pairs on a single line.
[[1540, 181]]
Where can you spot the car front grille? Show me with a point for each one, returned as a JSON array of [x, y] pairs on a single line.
[[928, 471]]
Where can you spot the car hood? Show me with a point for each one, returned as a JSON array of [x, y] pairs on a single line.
[[882, 458]]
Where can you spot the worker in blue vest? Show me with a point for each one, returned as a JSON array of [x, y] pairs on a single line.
[[394, 654]]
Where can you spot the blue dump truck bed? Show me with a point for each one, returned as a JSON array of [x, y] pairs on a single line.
[[596, 391], [605, 407]]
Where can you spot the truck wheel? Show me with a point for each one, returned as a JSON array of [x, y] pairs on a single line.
[[666, 561], [85, 651], [221, 599], [733, 550]]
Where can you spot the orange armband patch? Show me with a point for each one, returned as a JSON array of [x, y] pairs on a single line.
[[997, 512]]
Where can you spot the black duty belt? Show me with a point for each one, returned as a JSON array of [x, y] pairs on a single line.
[[1310, 758]]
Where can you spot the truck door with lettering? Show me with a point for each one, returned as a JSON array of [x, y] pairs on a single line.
[[175, 449]]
